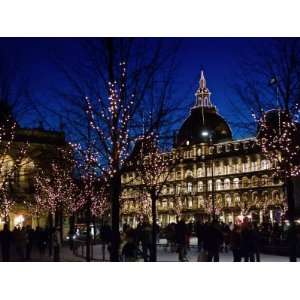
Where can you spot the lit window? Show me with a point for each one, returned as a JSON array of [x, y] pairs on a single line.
[[209, 185], [236, 183], [227, 184], [218, 184], [200, 186]]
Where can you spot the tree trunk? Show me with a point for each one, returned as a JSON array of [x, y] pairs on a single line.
[[115, 190], [88, 233], [290, 199], [153, 253], [50, 233]]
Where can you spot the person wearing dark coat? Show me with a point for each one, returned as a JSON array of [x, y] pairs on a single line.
[[213, 239], [5, 240], [129, 250], [235, 241], [145, 237], [29, 241], [105, 234], [247, 243], [199, 230], [257, 242], [181, 239]]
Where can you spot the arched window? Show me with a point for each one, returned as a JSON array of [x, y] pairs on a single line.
[[265, 164], [236, 183], [227, 200], [26, 173], [188, 173], [200, 172], [190, 202], [276, 196], [236, 199], [189, 187], [218, 184], [227, 184], [254, 181], [219, 199], [200, 186], [209, 183], [245, 182], [264, 180], [178, 189]]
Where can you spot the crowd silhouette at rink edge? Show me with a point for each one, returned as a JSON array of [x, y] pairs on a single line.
[[245, 241], [18, 244]]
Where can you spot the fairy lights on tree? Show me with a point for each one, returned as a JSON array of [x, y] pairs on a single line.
[[109, 123], [55, 190], [11, 159], [152, 167], [279, 140]]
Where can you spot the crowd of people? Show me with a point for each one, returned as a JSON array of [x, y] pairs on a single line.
[[245, 240], [19, 244]]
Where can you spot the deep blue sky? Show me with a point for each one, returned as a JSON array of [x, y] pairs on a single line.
[[218, 56]]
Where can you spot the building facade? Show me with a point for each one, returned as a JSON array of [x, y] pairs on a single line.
[[212, 174], [41, 148]]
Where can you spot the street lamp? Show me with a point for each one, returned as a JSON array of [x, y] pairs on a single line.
[[208, 135]]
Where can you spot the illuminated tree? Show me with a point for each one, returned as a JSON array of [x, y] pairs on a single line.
[[128, 83], [279, 140], [9, 167], [152, 167], [93, 188]]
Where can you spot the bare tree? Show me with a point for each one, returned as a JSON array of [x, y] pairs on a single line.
[[152, 168], [269, 77], [11, 160], [128, 84], [269, 87]]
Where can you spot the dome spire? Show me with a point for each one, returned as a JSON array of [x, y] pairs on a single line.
[[203, 93], [202, 82]]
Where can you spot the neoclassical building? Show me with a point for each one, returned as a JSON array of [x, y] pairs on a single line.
[[41, 148], [214, 174]]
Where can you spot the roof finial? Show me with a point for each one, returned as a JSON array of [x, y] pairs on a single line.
[[203, 93], [202, 80]]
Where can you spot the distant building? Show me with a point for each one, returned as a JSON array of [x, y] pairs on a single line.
[[42, 149], [212, 170]]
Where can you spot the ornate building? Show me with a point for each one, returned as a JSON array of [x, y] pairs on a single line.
[[213, 174], [41, 148]]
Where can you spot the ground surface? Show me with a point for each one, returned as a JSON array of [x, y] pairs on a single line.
[[164, 255]]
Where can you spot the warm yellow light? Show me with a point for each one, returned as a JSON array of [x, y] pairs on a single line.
[[18, 220]]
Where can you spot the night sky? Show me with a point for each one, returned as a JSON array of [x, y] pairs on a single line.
[[219, 57]]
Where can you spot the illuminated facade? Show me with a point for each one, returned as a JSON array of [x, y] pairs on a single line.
[[211, 173], [42, 148]]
